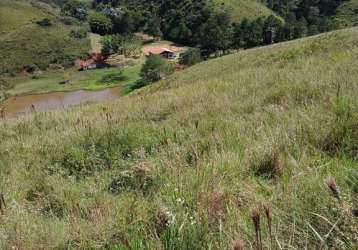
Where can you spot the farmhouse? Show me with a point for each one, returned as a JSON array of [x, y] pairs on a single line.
[[96, 60], [164, 52]]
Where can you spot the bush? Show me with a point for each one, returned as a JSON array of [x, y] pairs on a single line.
[[100, 24], [191, 57], [45, 22], [139, 179], [155, 68], [31, 68], [75, 9], [79, 34]]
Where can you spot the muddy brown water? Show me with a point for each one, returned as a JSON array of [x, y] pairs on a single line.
[[20, 105]]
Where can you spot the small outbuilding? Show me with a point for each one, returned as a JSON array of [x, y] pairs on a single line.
[[164, 52], [97, 60]]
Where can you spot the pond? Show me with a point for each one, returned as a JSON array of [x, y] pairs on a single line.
[[19, 105]]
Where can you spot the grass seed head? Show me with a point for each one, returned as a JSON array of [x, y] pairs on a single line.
[[238, 244], [255, 216], [333, 187]]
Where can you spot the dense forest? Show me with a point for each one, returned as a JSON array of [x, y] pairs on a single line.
[[206, 25]]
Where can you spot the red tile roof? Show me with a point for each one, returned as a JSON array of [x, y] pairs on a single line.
[[96, 57], [158, 51]]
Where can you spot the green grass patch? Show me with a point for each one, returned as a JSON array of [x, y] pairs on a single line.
[[85, 80], [241, 9]]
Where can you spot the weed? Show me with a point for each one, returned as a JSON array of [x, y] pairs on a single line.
[[139, 179]]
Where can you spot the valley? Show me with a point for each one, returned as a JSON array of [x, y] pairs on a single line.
[[178, 125]]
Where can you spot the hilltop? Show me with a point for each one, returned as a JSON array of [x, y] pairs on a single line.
[[33, 33], [189, 162]]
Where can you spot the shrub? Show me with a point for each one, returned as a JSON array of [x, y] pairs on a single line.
[[79, 33], [31, 68], [42, 194], [45, 22], [191, 57], [139, 179], [268, 167], [75, 9], [155, 68]]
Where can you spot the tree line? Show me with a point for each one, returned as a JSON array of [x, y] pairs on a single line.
[[203, 24]]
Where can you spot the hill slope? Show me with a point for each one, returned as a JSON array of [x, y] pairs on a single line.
[[249, 9], [24, 42], [181, 164]]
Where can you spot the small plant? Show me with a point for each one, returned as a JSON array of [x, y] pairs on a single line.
[[164, 218], [255, 216], [2, 203], [139, 179], [268, 214], [238, 245], [268, 167], [333, 187]]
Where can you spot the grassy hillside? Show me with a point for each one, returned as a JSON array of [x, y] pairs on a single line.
[[183, 164], [241, 9], [24, 42]]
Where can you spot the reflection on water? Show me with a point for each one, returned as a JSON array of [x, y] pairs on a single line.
[[15, 106]]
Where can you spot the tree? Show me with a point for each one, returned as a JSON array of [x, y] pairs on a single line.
[[75, 9], [127, 45], [191, 57], [312, 30], [216, 33], [100, 24], [272, 26], [181, 33], [154, 69], [300, 28], [153, 27], [241, 32], [255, 36]]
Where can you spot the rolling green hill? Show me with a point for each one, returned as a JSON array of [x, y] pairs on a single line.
[[190, 162], [23, 41], [250, 9]]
